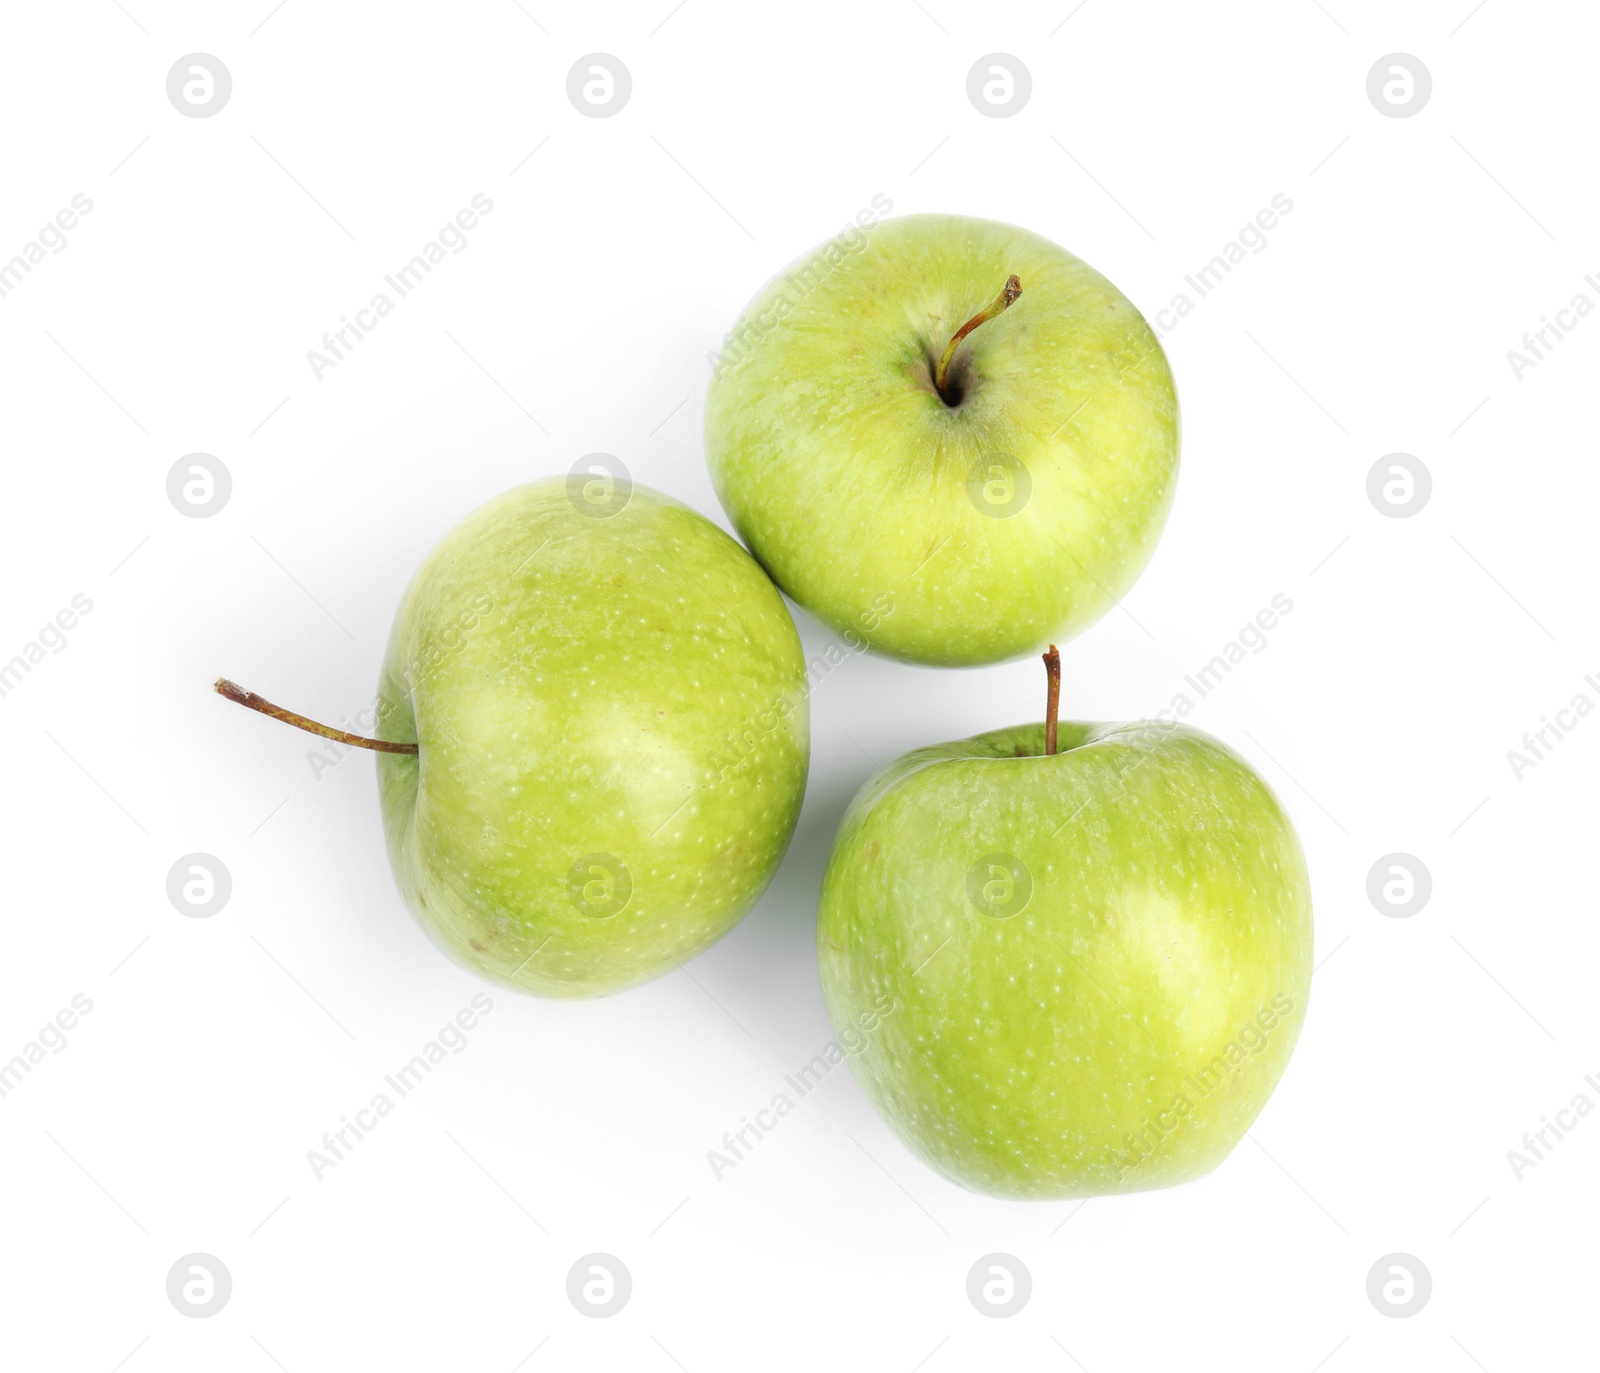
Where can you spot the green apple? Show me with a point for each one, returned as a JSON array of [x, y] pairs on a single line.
[[1095, 962], [1003, 506], [594, 737]]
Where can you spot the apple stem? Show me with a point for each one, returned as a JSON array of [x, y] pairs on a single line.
[[234, 692], [1008, 293], [1052, 703]]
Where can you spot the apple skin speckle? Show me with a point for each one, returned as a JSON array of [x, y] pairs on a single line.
[[611, 718], [1095, 964]]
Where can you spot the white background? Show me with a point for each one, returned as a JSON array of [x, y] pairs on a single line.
[[178, 318]]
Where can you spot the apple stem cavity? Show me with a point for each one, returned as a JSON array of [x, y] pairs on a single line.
[[1052, 700], [234, 692], [1008, 294]]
